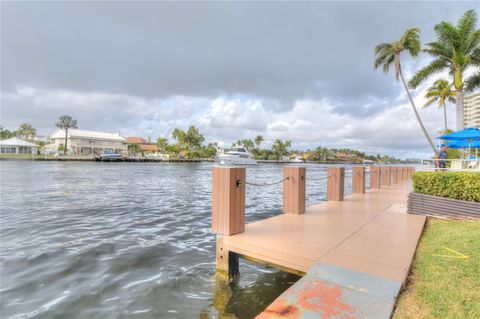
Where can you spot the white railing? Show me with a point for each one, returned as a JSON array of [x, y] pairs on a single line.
[[464, 165]]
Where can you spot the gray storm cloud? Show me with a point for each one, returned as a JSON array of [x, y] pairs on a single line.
[[278, 50]]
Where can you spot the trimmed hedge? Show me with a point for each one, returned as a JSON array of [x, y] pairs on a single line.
[[457, 185]]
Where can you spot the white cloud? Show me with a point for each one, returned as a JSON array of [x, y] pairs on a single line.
[[308, 124]]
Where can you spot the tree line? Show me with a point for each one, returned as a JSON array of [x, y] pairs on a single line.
[[189, 143], [25, 131]]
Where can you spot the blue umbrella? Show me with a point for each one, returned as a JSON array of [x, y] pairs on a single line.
[[469, 134], [463, 144]]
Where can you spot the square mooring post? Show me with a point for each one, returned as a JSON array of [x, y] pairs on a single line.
[[374, 177], [358, 180], [335, 183], [228, 213], [404, 174], [385, 179], [294, 190], [393, 172], [399, 174]]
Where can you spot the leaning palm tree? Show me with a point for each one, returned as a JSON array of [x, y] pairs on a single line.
[[65, 122], [389, 53], [457, 49], [440, 92]]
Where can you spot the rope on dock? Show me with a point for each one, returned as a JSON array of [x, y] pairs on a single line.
[[268, 184], [320, 179]]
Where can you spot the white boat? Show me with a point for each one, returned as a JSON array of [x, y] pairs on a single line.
[[297, 159], [109, 156], [236, 156]]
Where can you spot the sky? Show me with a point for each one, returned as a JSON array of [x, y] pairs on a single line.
[[301, 71]]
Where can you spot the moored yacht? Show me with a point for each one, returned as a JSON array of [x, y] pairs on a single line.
[[236, 156], [297, 159]]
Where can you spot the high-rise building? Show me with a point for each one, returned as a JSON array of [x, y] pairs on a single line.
[[471, 105]]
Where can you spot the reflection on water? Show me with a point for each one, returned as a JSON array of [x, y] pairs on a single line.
[[126, 240]]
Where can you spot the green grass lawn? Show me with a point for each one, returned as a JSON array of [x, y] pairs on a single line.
[[440, 285]]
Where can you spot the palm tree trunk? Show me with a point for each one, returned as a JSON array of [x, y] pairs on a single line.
[[445, 117], [460, 110], [66, 134], [416, 112]]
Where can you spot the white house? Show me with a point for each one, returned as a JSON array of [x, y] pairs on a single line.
[[15, 145], [80, 142]]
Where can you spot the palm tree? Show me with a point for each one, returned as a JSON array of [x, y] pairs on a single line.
[[65, 122], [389, 53], [258, 140], [440, 92], [162, 143], [457, 48], [182, 140]]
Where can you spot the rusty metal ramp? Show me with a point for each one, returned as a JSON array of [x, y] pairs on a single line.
[[332, 292]]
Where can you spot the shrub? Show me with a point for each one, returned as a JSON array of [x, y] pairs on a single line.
[[457, 185]]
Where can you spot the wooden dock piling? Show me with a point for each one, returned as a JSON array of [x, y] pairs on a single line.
[[228, 200], [385, 176], [228, 214], [374, 177], [335, 184], [399, 174], [358, 180], [294, 190], [393, 173]]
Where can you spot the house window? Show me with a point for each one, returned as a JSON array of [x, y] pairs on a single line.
[[8, 150]]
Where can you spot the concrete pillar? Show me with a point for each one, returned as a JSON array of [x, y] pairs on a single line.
[[294, 190], [374, 177], [228, 200], [358, 180], [385, 179], [335, 183]]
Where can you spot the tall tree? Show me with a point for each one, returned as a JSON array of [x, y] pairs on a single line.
[[162, 142], [5, 134], [457, 49], [248, 144], [389, 53], [440, 92], [280, 148], [258, 140], [182, 141], [66, 122], [187, 141], [26, 131]]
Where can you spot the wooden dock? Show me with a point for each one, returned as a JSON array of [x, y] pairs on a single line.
[[362, 245]]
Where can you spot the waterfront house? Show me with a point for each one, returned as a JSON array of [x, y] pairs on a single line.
[[15, 145], [81, 142], [144, 146]]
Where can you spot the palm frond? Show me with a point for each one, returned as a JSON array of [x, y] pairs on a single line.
[[430, 102], [434, 67], [472, 83], [447, 34], [438, 49], [466, 24], [410, 41]]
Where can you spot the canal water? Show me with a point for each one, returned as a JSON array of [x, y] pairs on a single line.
[[128, 240]]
